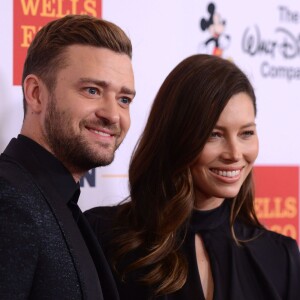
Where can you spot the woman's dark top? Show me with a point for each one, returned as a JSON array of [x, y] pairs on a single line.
[[266, 268]]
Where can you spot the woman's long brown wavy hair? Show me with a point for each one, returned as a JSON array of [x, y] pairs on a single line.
[[152, 224]]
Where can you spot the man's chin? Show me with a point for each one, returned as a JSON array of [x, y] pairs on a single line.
[[104, 163], [105, 160], [93, 158]]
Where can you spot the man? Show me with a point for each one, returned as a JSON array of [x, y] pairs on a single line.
[[77, 86]]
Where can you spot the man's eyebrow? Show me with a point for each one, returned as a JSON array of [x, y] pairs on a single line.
[[104, 84], [128, 91]]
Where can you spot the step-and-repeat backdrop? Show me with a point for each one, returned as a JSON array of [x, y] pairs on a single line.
[[262, 37]]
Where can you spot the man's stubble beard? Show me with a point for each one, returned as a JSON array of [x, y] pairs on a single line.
[[69, 147]]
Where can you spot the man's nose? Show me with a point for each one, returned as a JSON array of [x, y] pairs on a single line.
[[108, 110]]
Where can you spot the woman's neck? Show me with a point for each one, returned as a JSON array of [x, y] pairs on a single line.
[[208, 204]]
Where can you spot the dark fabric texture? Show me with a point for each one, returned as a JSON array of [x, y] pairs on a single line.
[[43, 253], [265, 268], [109, 289]]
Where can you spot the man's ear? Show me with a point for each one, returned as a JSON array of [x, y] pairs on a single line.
[[33, 91]]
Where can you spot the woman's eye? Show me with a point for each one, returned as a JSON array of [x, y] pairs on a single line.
[[248, 133], [215, 134]]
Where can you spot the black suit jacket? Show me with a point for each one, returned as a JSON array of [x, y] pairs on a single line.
[[43, 254]]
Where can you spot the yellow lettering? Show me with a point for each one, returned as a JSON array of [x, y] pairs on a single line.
[[74, 6], [89, 7], [60, 12], [291, 207], [28, 34], [30, 7], [47, 8], [276, 207], [60, 8], [261, 206]]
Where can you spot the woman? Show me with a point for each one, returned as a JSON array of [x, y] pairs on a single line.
[[189, 229]]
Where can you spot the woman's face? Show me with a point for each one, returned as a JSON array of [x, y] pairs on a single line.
[[228, 156]]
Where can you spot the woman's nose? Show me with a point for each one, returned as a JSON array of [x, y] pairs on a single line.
[[232, 150]]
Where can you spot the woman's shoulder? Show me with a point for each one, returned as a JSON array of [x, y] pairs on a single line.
[[280, 255], [271, 245], [268, 243], [286, 243], [278, 238], [262, 235]]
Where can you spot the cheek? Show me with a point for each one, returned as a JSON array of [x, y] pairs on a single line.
[[71, 115], [201, 164], [197, 174], [125, 121], [209, 154], [252, 152]]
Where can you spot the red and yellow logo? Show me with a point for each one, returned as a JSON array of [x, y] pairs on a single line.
[[277, 198], [31, 15]]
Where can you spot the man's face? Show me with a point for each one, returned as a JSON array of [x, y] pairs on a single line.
[[87, 115]]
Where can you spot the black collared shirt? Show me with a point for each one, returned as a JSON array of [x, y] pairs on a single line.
[[57, 176], [54, 186]]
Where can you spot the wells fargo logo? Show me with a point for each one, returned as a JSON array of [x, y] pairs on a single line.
[[277, 199], [31, 15]]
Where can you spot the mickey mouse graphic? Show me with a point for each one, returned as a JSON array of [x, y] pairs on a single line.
[[216, 27]]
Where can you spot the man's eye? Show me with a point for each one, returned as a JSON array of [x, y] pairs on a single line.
[[125, 100], [92, 91]]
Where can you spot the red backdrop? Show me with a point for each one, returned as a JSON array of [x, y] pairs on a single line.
[[277, 198]]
